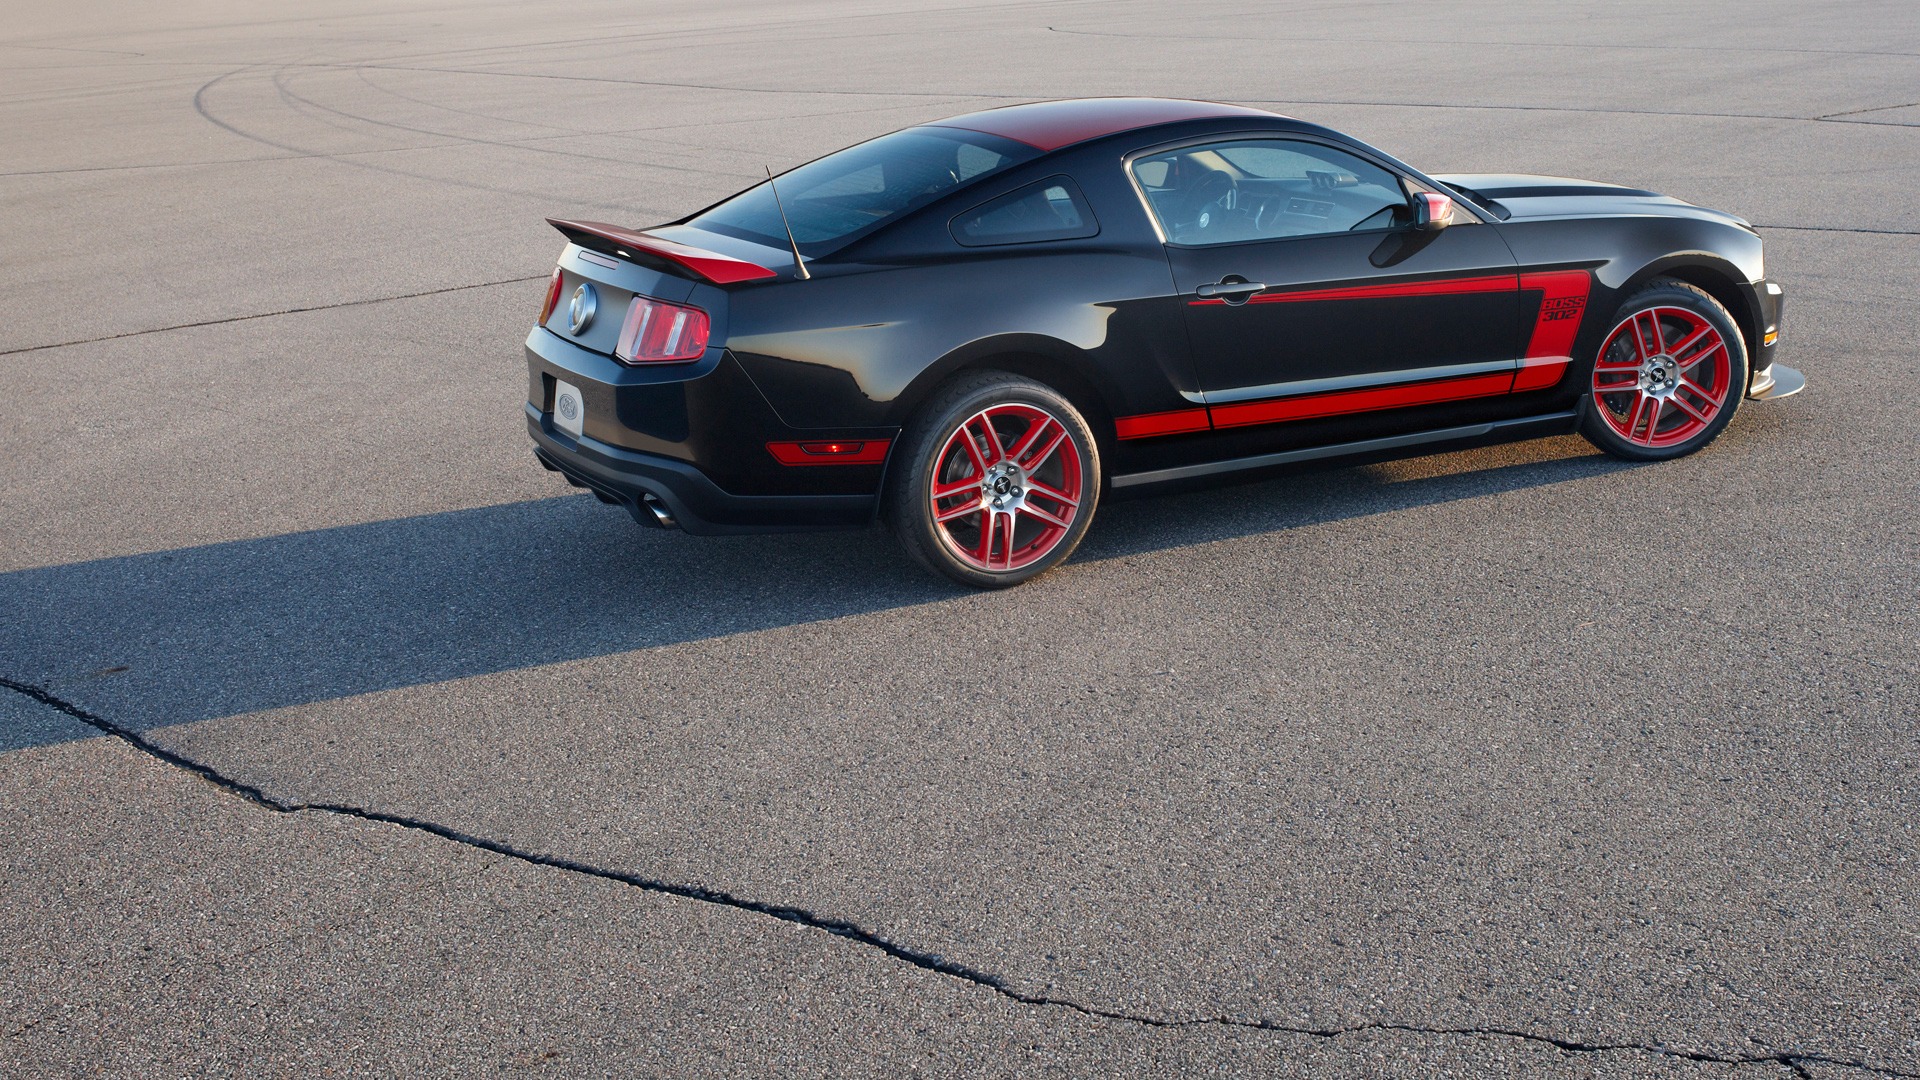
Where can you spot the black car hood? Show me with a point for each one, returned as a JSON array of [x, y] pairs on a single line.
[[1524, 196]]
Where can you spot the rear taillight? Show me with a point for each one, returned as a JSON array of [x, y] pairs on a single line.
[[553, 298], [658, 332]]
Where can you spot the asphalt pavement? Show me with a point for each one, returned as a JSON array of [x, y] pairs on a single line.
[[336, 735]]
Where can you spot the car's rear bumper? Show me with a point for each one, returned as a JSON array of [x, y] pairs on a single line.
[[695, 443], [661, 491]]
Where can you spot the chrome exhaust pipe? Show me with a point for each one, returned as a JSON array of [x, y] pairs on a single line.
[[660, 512]]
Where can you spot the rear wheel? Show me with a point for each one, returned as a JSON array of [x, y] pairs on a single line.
[[997, 481], [1668, 377]]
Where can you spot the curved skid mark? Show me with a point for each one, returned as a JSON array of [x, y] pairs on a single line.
[[307, 105], [1482, 42], [351, 157]]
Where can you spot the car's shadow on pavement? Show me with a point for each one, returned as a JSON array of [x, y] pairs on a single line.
[[197, 633]]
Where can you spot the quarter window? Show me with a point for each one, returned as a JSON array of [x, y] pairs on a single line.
[[1050, 209], [1266, 189]]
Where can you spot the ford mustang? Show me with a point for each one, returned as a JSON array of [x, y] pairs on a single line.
[[975, 329]]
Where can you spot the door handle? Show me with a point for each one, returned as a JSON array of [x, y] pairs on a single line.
[[1230, 291]]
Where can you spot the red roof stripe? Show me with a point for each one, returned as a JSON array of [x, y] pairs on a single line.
[[1050, 125]]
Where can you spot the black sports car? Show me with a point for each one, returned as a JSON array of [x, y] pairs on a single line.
[[975, 328]]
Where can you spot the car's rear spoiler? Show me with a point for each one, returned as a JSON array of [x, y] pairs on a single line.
[[701, 263]]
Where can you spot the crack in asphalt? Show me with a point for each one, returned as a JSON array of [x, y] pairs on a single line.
[[1793, 1061], [269, 315]]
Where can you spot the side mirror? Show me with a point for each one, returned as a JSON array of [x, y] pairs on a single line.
[[1431, 212]]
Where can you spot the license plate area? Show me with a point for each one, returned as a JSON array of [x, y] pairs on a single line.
[[569, 408]]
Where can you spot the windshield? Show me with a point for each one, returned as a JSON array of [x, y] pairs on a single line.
[[834, 201]]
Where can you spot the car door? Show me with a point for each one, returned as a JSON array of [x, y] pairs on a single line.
[[1310, 291]]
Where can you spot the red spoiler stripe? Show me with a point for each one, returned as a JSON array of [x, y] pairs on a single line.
[[709, 265]]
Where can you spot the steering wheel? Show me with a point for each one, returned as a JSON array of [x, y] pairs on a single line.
[[1212, 193]]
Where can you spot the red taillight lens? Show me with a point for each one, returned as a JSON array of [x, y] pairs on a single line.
[[553, 298], [658, 332]]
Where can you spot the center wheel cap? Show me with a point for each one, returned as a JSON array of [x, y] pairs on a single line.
[[1660, 375], [1004, 486]]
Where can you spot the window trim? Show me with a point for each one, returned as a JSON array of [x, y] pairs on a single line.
[[1079, 199], [1410, 184]]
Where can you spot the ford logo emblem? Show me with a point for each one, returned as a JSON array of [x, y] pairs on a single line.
[[580, 311]]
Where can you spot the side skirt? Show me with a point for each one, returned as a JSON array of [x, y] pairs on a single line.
[[1526, 427]]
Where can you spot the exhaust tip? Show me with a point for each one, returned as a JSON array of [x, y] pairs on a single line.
[[660, 512]]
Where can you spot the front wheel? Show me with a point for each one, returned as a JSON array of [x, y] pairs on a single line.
[[996, 481], [1668, 376]]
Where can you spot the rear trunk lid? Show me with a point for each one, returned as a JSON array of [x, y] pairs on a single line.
[[604, 267]]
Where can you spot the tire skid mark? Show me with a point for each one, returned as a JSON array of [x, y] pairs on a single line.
[[1593, 47], [351, 157], [308, 106]]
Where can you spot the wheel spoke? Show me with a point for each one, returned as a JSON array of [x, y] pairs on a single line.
[[1681, 404], [1652, 405], [1045, 452], [1622, 368], [1650, 344], [941, 517], [1006, 523], [1035, 432], [955, 487], [988, 519], [1702, 354], [1049, 518], [991, 438], [1700, 392], [1690, 341], [979, 463], [1035, 486]]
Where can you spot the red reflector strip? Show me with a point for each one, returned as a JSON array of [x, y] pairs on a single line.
[[1147, 425], [1339, 403], [845, 452]]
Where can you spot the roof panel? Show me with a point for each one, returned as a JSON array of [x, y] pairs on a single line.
[[1050, 125]]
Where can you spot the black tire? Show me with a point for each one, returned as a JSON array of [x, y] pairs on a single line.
[[1654, 410], [1046, 497]]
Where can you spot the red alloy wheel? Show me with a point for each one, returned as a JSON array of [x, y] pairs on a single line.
[[1662, 377], [1007, 486]]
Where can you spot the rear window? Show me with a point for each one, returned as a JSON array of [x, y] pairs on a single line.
[[841, 197]]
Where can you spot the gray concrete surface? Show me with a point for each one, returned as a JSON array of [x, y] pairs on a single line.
[[427, 765]]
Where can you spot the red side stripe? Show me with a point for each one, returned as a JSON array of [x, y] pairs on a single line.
[[1441, 287], [825, 452], [1147, 425], [1338, 403], [1563, 299], [1549, 352]]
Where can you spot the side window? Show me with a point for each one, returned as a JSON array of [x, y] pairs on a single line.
[[1266, 189], [1050, 209]]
